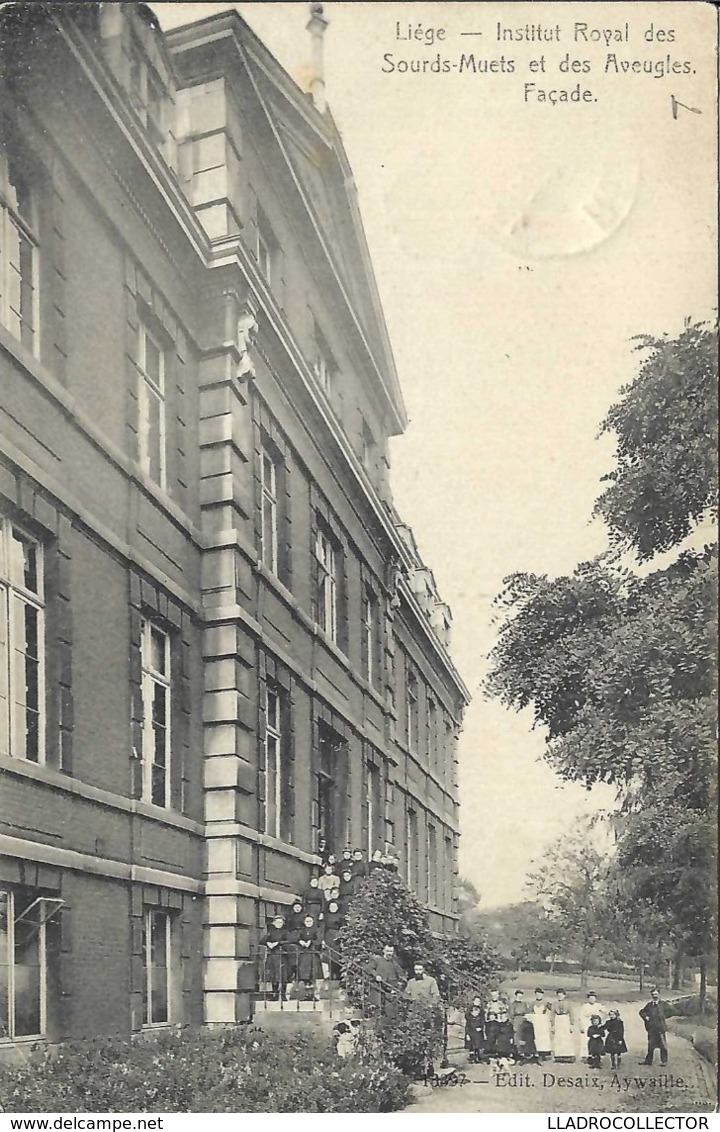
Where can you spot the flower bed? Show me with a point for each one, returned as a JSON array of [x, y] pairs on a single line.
[[234, 1070]]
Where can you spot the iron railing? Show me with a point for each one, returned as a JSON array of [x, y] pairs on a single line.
[[295, 978]]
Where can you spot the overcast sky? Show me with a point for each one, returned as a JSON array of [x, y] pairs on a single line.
[[518, 247]]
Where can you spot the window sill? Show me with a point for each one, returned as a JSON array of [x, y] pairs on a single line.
[[246, 832], [165, 816], [40, 374], [280, 588], [372, 691], [333, 648], [58, 780], [13, 1043], [284, 593], [287, 848]]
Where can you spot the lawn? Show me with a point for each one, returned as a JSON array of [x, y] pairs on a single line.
[[614, 990]]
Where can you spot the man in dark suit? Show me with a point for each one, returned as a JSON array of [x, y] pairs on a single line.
[[655, 1014], [390, 979]]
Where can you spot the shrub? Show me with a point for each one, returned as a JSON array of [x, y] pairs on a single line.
[[467, 967], [412, 1037], [690, 1005], [383, 910], [705, 1042], [240, 1069]]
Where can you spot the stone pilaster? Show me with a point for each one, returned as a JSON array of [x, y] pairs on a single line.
[[230, 705]]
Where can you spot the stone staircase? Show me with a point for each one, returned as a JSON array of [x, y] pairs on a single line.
[[297, 1011]]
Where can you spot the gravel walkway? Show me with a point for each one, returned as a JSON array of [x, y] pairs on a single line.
[[686, 1085]]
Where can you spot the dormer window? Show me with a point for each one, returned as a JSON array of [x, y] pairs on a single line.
[[368, 447], [324, 366], [156, 96], [18, 251], [266, 248], [147, 91], [137, 75]]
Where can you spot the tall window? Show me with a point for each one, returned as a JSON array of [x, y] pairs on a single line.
[[326, 602], [412, 709], [448, 773], [269, 512], [23, 970], [155, 653], [22, 638], [369, 631], [432, 865], [18, 252], [372, 805], [432, 732], [411, 847], [156, 967], [449, 874], [329, 778], [151, 405], [273, 764]]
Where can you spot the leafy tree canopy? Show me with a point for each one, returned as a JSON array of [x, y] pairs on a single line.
[[618, 667], [666, 428], [570, 884]]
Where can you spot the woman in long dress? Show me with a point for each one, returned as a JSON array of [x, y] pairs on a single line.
[[563, 1036], [539, 1017]]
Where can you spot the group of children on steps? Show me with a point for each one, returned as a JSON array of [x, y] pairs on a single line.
[[302, 947]]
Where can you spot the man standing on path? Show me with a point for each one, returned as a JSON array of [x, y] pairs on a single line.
[[655, 1014]]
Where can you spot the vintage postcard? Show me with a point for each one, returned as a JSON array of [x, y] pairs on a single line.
[[358, 560]]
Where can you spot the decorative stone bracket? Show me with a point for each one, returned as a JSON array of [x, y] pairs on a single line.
[[241, 328]]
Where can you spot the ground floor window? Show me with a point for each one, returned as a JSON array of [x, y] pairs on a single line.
[[23, 969], [156, 965]]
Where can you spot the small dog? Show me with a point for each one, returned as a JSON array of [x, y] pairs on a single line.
[[500, 1065]]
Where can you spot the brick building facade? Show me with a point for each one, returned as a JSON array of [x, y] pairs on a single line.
[[217, 638]]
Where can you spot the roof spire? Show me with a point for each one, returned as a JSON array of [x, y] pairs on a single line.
[[316, 26]]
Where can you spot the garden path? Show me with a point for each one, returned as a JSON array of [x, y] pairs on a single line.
[[687, 1085]]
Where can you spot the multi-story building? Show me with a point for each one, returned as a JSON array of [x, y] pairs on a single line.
[[217, 638]]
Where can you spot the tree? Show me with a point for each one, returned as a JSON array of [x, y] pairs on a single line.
[[638, 932], [468, 899], [618, 666], [570, 884], [667, 438], [517, 932]]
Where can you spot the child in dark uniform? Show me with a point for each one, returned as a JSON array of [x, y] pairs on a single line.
[[332, 922], [307, 954], [475, 1030], [359, 867], [297, 915], [615, 1038], [274, 967], [595, 1041], [313, 898]]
